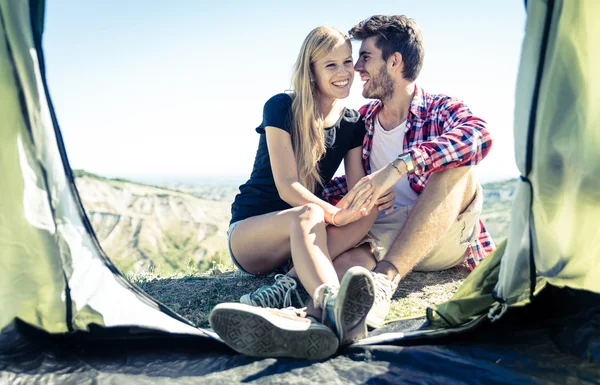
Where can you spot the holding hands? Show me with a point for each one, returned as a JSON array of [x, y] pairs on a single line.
[[374, 189], [347, 214]]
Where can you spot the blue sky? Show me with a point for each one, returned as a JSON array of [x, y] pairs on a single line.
[[153, 90]]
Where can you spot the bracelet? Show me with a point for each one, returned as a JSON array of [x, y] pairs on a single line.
[[333, 219], [408, 162], [396, 167]]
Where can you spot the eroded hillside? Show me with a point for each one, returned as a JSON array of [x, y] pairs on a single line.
[[142, 227], [145, 227]]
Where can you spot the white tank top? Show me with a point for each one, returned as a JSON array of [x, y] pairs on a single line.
[[387, 145]]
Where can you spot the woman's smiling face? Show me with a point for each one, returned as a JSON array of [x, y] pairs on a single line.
[[334, 73]]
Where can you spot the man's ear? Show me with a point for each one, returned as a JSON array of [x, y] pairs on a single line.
[[396, 62]]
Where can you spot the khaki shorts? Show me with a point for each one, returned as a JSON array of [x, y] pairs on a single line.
[[451, 249]]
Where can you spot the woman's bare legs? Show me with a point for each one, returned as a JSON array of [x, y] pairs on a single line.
[[344, 306], [342, 239], [358, 256], [263, 243], [308, 242]]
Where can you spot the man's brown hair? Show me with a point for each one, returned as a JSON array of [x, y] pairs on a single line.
[[394, 34]]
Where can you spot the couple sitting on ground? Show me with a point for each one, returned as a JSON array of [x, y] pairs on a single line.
[[409, 199]]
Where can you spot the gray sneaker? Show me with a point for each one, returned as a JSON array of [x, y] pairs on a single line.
[[384, 290], [262, 332], [345, 308], [277, 296]]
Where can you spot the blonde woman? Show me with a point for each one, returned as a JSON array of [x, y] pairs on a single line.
[[278, 217]]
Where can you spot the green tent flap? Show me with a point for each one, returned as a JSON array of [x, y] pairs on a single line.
[[57, 284], [557, 127], [474, 297], [554, 235], [53, 273], [32, 283]]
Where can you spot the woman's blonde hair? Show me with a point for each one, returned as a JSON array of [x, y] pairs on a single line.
[[308, 139]]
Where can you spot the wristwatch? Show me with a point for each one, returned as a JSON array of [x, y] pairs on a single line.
[[408, 161]]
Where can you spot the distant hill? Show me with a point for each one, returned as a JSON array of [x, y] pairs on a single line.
[[497, 204], [144, 227], [182, 227]]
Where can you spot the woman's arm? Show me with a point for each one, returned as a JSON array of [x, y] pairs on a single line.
[[355, 172], [353, 166], [285, 173]]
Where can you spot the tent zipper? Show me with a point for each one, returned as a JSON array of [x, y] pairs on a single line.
[[532, 123]]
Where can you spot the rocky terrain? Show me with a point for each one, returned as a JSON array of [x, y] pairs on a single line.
[[182, 228], [149, 228], [497, 204]]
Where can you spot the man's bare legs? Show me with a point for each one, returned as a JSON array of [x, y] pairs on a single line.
[[446, 195]]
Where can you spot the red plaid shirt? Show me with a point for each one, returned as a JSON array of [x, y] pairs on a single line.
[[441, 133]]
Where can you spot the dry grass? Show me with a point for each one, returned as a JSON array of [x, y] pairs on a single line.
[[193, 297], [419, 290]]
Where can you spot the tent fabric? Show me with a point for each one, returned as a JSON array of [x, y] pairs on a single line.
[[553, 236], [53, 272], [525, 347], [475, 295], [557, 146], [69, 316]]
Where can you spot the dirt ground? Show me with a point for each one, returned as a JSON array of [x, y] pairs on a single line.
[[193, 297]]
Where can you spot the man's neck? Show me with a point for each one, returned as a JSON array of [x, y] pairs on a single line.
[[395, 109]]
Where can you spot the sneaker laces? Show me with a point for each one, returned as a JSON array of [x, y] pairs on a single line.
[[321, 297], [297, 311], [384, 288], [281, 291]]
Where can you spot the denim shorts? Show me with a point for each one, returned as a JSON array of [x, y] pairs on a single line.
[[229, 232], [282, 269]]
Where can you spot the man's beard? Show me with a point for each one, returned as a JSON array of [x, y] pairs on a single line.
[[381, 87]]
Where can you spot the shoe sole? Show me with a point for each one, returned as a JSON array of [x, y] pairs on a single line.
[[354, 301], [257, 332], [374, 324]]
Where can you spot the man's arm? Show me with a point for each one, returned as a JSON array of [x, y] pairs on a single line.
[[465, 141]]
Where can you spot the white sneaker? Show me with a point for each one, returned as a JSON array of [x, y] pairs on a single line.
[[346, 308], [384, 290], [277, 296], [259, 332]]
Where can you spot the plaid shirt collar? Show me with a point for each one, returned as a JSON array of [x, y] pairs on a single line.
[[418, 109]]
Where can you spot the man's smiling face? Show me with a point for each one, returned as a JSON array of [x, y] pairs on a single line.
[[373, 71]]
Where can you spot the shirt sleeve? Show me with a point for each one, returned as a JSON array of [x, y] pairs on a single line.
[[335, 190], [358, 134], [464, 141], [277, 113]]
